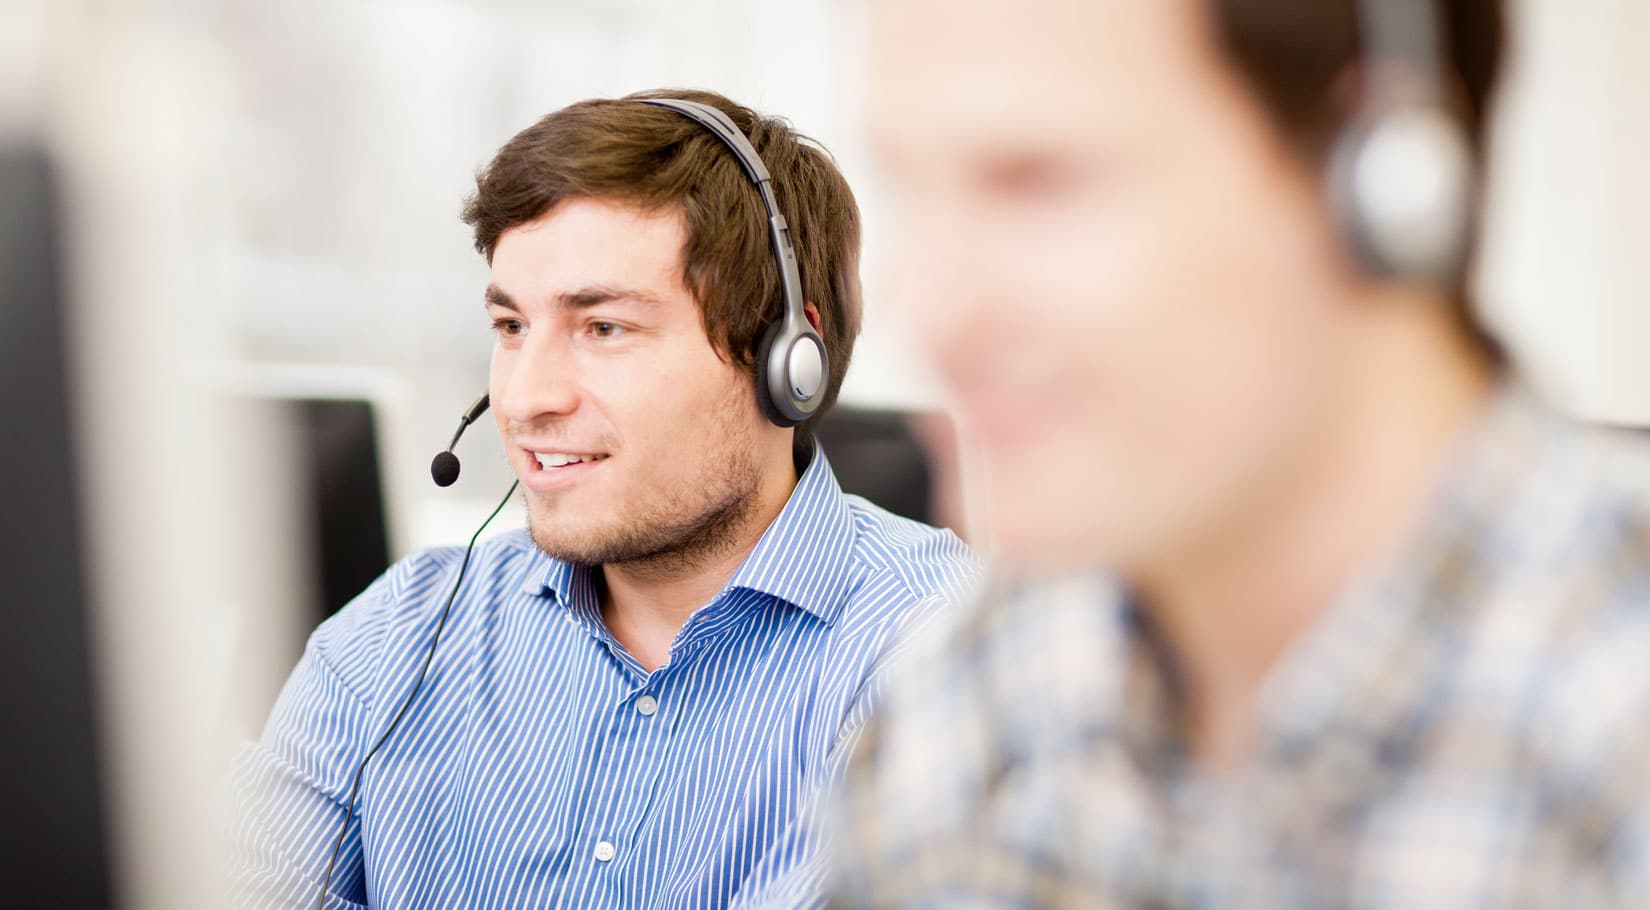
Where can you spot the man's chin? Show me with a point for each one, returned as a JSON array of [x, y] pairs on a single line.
[[586, 543], [560, 516], [558, 541]]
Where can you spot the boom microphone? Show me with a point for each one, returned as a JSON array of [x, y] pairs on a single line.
[[444, 467]]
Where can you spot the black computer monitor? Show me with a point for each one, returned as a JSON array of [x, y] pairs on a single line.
[[344, 493], [52, 843], [876, 455]]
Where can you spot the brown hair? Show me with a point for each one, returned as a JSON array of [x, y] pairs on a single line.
[[658, 159], [1295, 54], [1296, 57]]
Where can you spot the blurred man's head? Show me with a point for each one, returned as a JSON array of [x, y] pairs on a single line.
[[1113, 231], [632, 280]]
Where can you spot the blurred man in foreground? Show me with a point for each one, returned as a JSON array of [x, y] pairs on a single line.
[[635, 697], [1315, 605]]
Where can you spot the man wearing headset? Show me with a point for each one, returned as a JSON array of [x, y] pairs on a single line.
[[1306, 601], [633, 699]]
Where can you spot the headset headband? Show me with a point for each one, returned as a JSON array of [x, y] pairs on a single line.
[[791, 364]]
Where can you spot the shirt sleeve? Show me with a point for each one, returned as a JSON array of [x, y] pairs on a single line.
[[292, 785]]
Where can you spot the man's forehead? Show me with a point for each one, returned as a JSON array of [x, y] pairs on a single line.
[[581, 242], [582, 215], [596, 233], [997, 56], [983, 80]]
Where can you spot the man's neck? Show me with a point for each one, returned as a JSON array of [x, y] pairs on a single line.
[[1229, 610], [645, 604]]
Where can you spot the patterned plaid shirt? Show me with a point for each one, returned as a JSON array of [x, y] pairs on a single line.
[[1469, 726]]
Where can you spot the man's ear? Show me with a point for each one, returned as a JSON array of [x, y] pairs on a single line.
[[812, 312]]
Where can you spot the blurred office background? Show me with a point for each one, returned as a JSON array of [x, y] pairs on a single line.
[[265, 280]]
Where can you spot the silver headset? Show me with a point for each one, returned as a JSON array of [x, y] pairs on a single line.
[[1400, 175], [791, 367]]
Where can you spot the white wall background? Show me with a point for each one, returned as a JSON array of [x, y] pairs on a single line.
[[1567, 270]]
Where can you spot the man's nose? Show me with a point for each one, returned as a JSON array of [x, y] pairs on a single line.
[[540, 380]]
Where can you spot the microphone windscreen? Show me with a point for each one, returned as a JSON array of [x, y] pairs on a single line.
[[444, 469]]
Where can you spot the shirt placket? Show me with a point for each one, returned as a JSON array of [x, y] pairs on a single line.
[[639, 732], [641, 728], [626, 749]]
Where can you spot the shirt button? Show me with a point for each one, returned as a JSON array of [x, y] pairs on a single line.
[[646, 705], [605, 851]]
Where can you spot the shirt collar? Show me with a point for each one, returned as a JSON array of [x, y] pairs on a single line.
[[802, 559]]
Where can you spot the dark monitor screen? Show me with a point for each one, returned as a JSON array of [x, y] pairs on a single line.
[[876, 455], [52, 848], [345, 500]]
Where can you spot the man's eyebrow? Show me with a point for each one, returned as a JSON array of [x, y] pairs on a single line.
[[603, 293], [497, 297], [581, 299]]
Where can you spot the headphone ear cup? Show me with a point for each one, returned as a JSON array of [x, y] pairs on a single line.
[[1401, 184], [764, 394]]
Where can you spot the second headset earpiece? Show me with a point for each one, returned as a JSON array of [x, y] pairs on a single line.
[[1400, 175]]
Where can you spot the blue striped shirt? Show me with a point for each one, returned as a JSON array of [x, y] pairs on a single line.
[[542, 766]]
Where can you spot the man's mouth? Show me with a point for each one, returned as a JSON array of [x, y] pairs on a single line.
[[551, 470], [548, 460]]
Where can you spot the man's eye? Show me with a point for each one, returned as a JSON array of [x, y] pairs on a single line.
[[605, 329], [508, 327]]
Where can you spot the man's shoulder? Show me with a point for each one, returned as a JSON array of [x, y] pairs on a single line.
[[902, 574], [925, 562], [1553, 608], [409, 583], [1573, 532], [1545, 523], [1584, 556], [407, 599], [1555, 478]]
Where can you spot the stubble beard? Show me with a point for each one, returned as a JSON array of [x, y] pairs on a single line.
[[678, 529]]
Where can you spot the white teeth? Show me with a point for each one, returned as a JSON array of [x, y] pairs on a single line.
[[562, 459]]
